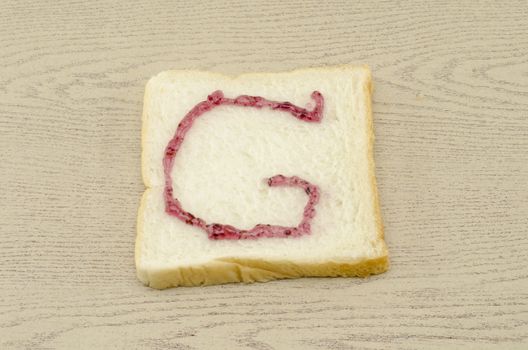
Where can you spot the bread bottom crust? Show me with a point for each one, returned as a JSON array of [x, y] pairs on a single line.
[[229, 270]]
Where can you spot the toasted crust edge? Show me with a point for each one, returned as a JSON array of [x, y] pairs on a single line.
[[230, 270]]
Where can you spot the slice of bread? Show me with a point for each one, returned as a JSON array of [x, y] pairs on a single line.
[[221, 170]]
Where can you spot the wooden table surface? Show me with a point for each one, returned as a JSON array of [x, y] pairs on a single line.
[[451, 120]]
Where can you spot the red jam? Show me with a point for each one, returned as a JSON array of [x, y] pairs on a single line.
[[221, 231]]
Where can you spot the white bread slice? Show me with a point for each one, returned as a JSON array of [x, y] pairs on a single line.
[[221, 170]]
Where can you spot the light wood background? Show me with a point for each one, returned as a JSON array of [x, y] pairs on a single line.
[[451, 119]]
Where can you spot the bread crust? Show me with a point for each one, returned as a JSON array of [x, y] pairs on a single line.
[[232, 269], [368, 89]]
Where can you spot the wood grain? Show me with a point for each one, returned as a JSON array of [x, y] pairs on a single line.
[[451, 119]]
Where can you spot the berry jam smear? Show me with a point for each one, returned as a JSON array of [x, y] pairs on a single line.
[[221, 231]]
